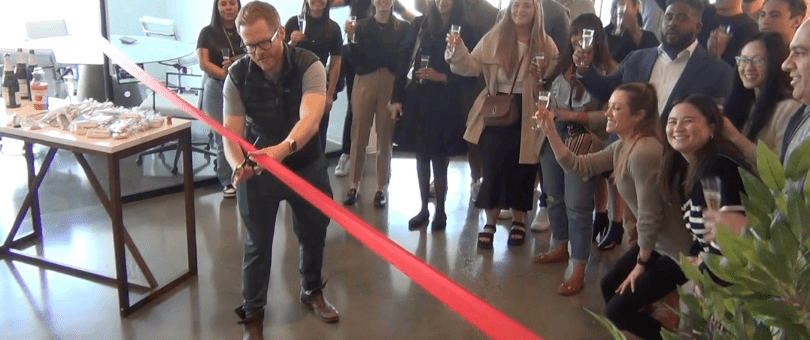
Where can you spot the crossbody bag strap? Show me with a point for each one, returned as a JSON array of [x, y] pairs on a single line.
[[514, 79], [517, 70]]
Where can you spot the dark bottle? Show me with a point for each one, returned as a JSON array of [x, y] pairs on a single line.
[[32, 64], [9, 83], [22, 76]]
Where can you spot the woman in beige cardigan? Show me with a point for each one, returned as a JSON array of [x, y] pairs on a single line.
[[509, 153]]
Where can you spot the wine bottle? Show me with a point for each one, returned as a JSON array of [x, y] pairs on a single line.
[[32, 64], [9, 83], [22, 76]]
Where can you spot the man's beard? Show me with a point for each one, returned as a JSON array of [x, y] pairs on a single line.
[[680, 44]]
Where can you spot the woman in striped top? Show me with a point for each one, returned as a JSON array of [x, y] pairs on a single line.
[[700, 167]]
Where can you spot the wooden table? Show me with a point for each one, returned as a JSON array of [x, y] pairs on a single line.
[[113, 151]]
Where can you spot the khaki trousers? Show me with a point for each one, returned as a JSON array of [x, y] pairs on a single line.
[[370, 97]]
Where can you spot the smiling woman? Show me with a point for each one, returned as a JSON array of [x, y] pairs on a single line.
[[760, 104], [217, 46], [697, 154]]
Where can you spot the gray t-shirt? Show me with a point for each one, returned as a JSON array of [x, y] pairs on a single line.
[[314, 81]]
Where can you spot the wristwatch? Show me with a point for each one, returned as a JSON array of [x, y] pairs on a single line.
[[643, 263], [293, 145]]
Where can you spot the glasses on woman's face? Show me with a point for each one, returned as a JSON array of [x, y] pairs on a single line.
[[744, 61], [264, 44]]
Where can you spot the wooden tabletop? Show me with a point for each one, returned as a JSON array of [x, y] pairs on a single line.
[[60, 137]]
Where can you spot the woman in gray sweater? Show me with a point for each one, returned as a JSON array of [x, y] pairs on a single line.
[[649, 270]]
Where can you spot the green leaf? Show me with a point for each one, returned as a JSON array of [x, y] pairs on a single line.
[[769, 167], [774, 264], [784, 241], [757, 191], [798, 167], [720, 267], [797, 214], [771, 310], [614, 332], [762, 333], [758, 217], [737, 249], [669, 335]]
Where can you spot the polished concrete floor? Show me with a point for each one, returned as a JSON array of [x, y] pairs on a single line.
[[375, 300]]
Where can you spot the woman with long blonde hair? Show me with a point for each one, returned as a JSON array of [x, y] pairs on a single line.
[[509, 154]]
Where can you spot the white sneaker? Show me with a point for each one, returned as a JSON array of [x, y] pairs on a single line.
[[540, 222], [229, 191], [342, 168], [505, 214], [475, 187]]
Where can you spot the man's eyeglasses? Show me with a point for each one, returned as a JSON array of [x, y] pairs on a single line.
[[264, 44], [743, 61]]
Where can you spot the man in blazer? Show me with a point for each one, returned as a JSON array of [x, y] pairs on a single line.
[[678, 67]]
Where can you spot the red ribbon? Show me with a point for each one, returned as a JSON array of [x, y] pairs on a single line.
[[478, 312]]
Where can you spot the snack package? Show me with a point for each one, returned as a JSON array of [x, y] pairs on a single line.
[[102, 133]]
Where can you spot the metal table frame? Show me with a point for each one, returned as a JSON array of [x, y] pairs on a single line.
[[113, 204]]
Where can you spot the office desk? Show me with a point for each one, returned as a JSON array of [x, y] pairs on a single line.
[[113, 151], [83, 50]]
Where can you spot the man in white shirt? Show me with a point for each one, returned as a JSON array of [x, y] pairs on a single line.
[[678, 67]]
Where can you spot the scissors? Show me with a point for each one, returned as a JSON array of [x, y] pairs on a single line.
[[247, 161]]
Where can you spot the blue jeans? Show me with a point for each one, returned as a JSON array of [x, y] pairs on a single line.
[[212, 106], [570, 206], [258, 200]]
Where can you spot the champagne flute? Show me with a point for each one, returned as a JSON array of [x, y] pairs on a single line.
[[424, 63], [587, 38], [455, 31], [617, 31], [543, 99], [538, 62], [711, 192], [226, 53], [353, 22], [302, 22]]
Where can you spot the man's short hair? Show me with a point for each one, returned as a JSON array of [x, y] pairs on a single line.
[[697, 5], [797, 7], [258, 10]]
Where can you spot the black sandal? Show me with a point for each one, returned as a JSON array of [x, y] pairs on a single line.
[[517, 234], [485, 237]]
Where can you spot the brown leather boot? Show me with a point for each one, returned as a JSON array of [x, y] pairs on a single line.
[[314, 301], [254, 325]]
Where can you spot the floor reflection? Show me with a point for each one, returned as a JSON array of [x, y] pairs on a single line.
[[375, 300]]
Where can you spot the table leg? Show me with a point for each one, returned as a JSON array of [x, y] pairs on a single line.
[[118, 233], [29, 200], [96, 185], [36, 218], [188, 190]]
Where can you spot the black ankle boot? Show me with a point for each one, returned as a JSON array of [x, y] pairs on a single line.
[[439, 221], [419, 220], [600, 225], [613, 236]]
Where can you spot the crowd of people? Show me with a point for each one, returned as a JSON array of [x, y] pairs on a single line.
[[594, 116]]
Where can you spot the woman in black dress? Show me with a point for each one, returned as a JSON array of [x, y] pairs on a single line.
[[432, 121], [321, 36]]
